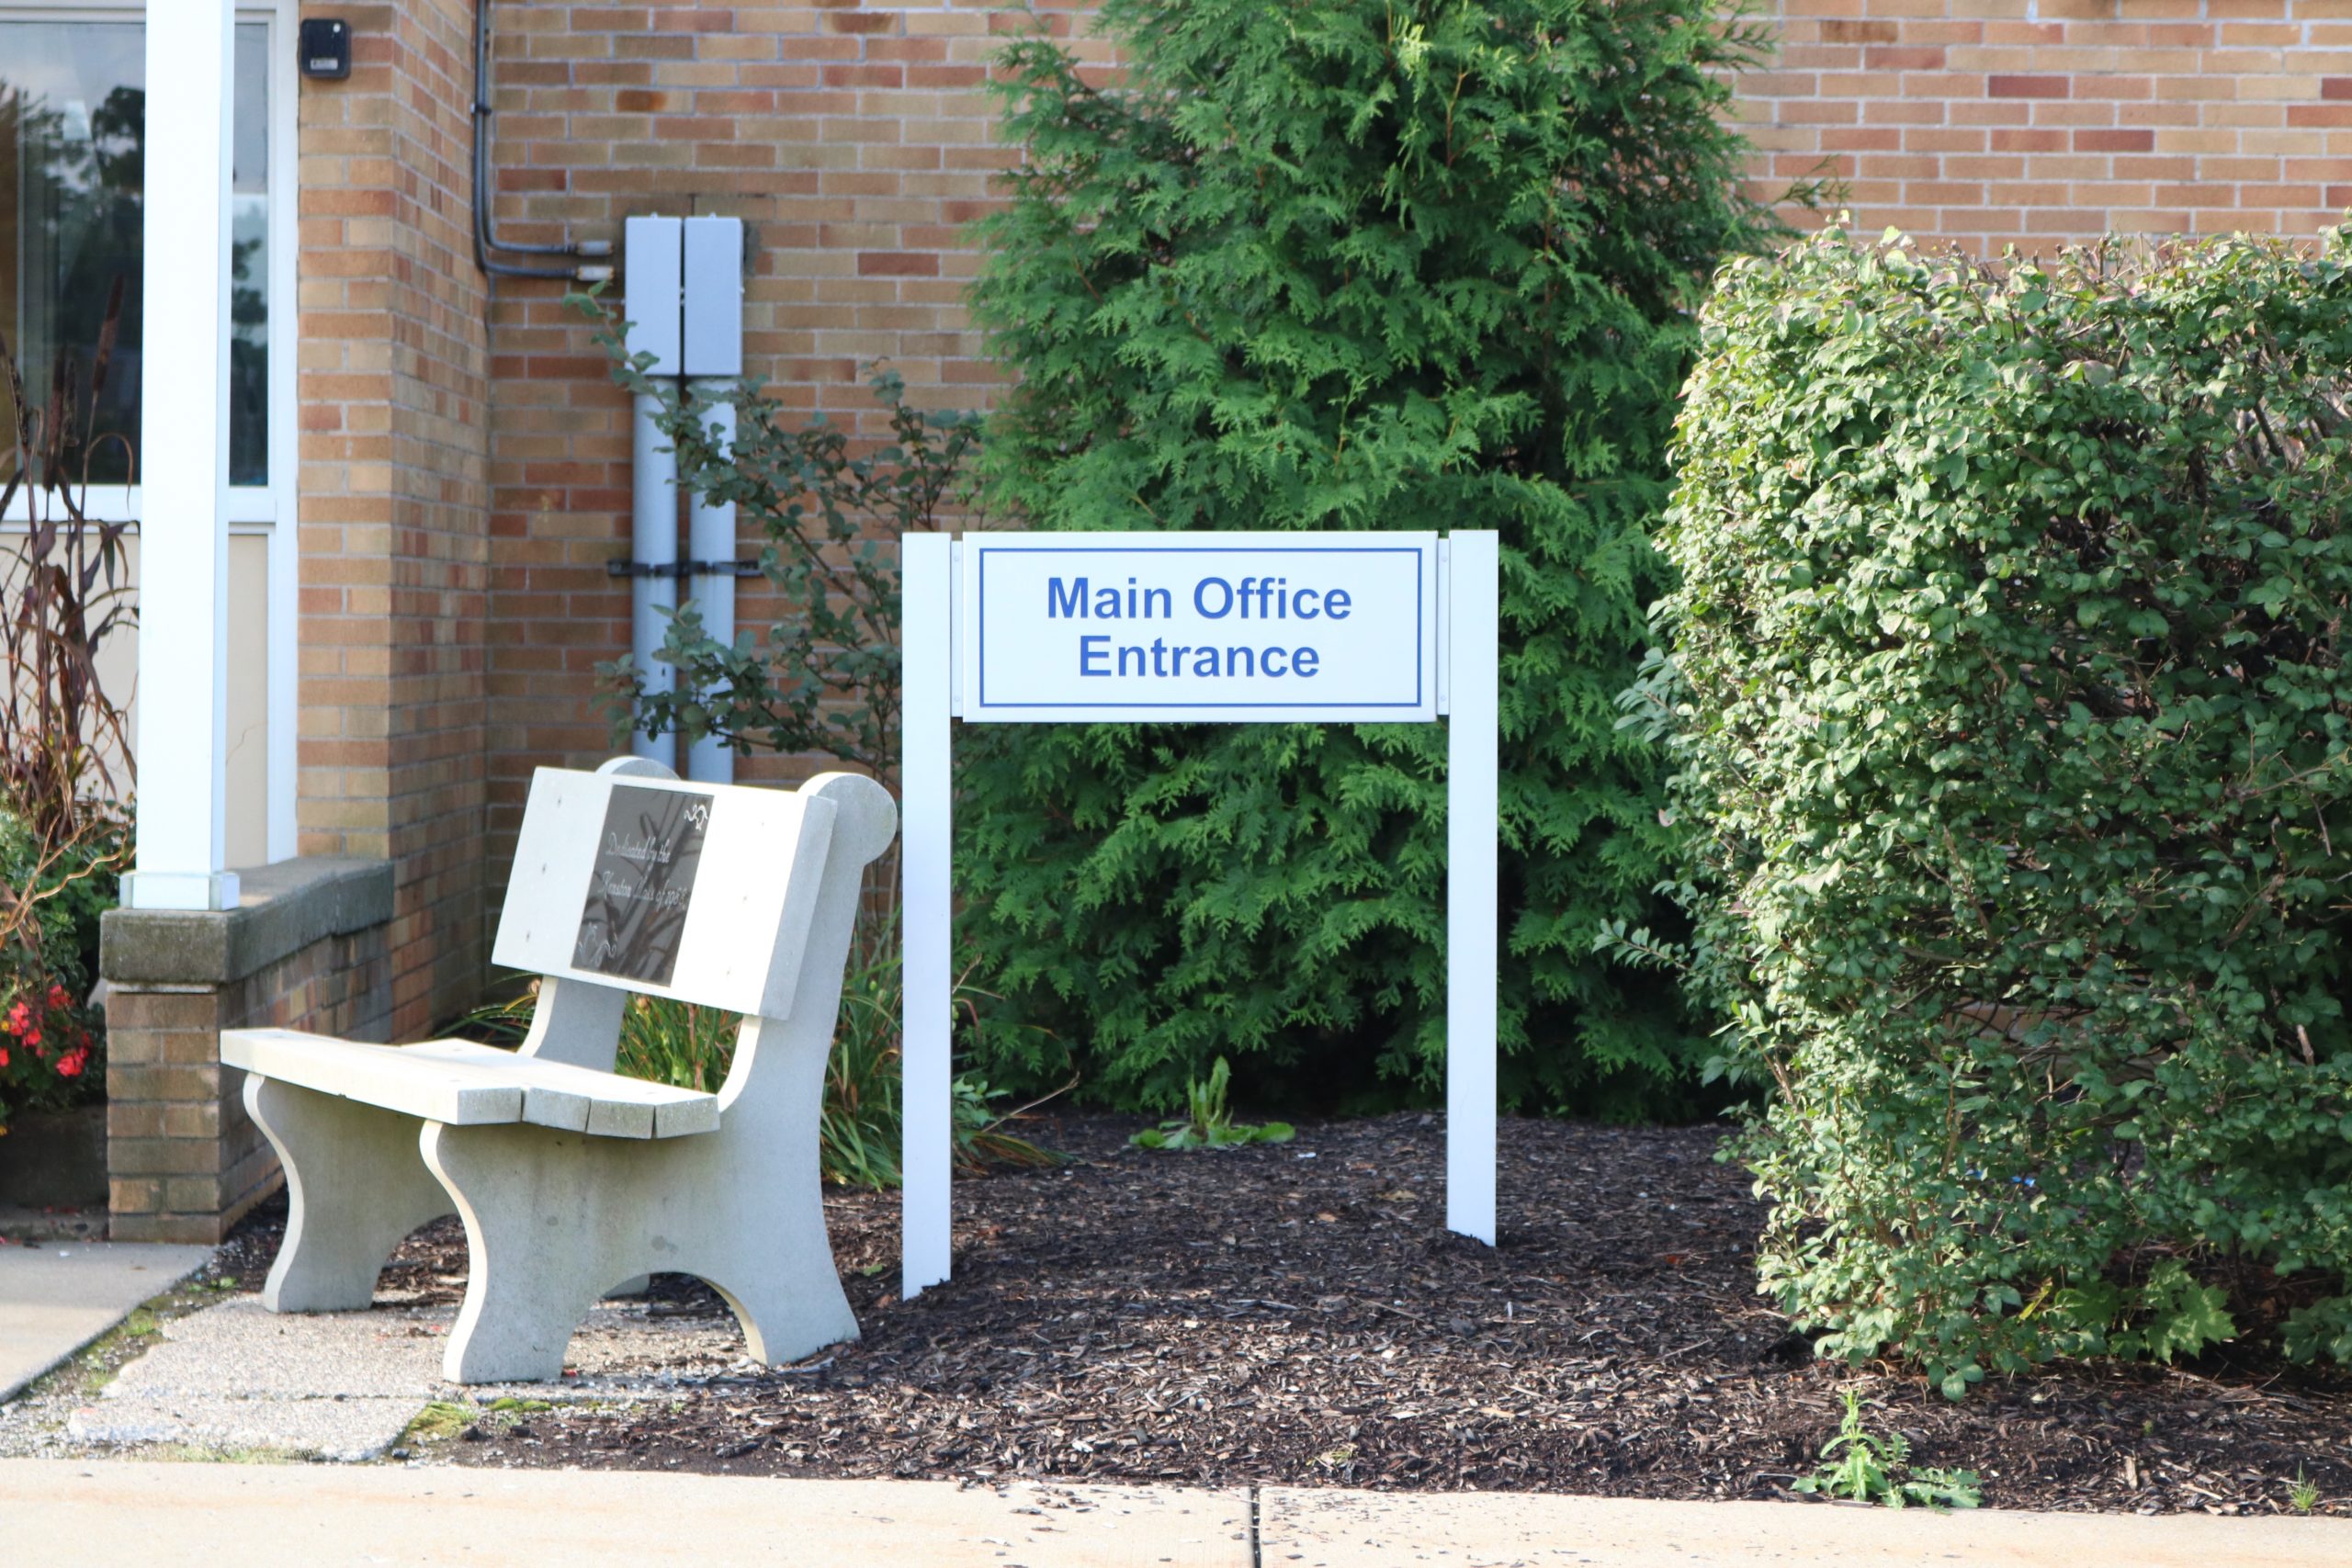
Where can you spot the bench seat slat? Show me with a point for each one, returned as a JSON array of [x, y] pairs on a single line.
[[616, 1107], [461, 1083]]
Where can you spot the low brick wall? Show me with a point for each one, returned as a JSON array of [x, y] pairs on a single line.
[[308, 948]]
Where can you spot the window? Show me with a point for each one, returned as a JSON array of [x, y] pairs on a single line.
[[72, 98], [73, 142]]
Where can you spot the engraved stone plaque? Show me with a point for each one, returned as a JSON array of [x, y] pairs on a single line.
[[643, 881]]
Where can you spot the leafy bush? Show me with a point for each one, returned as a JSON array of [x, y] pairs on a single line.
[[2005, 680], [1348, 263]]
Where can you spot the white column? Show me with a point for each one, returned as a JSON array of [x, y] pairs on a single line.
[[925, 829], [183, 740], [1473, 912]]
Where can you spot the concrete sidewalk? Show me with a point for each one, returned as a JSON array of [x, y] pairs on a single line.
[[57, 1297], [69, 1513], [1496, 1530]]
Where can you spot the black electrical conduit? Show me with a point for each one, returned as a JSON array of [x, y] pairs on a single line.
[[486, 238]]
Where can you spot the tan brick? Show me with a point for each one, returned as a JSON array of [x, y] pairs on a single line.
[[189, 1120], [192, 1194], [161, 1156], [134, 1006], [200, 1229], [127, 1119]]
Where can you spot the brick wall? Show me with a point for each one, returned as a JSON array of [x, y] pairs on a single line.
[[2029, 122], [310, 949], [466, 477], [394, 503], [854, 140], [184, 1161]]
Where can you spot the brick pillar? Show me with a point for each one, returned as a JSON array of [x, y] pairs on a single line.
[[393, 368], [308, 949]]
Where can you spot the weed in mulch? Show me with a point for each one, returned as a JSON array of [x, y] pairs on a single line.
[[1297, 1314]]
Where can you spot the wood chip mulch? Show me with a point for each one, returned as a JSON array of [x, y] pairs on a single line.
[[1297, 1314]]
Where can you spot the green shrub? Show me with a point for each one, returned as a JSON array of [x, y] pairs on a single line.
[[2005, 680], [52, 1045], [1348, 263]]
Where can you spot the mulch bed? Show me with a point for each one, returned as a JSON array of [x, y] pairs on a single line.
[[1297, 1314]]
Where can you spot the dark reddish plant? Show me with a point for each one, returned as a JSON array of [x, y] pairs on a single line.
[[64, 744], [65, 760]]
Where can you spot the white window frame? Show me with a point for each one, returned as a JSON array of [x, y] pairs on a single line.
[[270, 509]]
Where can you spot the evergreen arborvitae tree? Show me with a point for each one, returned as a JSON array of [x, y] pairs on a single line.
[[1348, 263]]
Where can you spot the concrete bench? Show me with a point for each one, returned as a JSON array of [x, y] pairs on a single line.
[[571, 1180]]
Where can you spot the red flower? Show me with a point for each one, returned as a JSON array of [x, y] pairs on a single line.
[[70, 1064], [32, 1038], [20, 1018], [4, 1055], [58, 999]]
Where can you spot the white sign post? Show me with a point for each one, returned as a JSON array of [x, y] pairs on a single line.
[[1236, 629]]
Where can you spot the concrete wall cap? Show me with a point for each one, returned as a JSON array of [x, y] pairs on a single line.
[[282, 910]]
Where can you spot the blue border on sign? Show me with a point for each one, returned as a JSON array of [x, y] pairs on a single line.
[[1421, 583]]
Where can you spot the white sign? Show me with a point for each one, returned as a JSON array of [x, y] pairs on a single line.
[[1232, 627], [1219, 627]]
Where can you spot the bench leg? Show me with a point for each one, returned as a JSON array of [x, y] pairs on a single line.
[[538, 1243], [555, 1220], [787, 1313], [767, 1254], [355, 1187]]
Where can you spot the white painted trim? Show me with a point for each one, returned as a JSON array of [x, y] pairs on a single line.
[[926, 912], [184, 542], [1445, 681], [955, 629], [251, 509], [1472, 786]]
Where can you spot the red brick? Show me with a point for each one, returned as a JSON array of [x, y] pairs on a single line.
[[896, 263]]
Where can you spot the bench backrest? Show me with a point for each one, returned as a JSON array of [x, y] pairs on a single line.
[[701, 892]]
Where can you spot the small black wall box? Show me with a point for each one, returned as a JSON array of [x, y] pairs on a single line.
[[326, 48]]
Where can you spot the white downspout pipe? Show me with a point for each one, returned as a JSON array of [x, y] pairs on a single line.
[[684, 307], [653, 535], [712, 352], [710, 541], [650, 303]]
